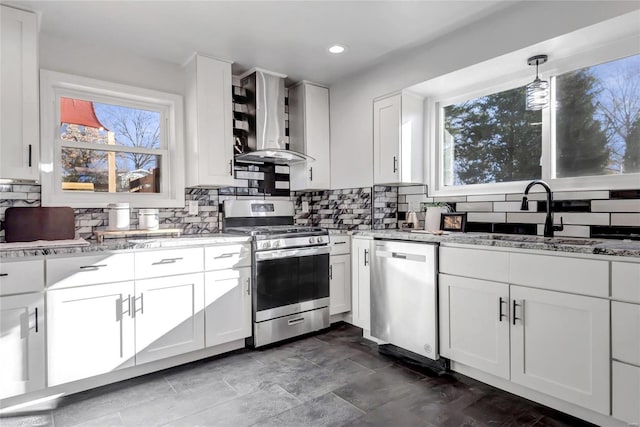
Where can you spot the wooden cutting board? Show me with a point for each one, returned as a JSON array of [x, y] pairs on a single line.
[[28, 224]]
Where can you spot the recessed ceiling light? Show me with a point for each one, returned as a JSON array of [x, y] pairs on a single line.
[[336, 48]]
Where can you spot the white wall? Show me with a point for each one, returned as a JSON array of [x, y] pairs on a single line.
[[80, 58], [513, 28]]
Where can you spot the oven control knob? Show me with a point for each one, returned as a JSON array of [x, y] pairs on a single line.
[[276, 244], [310, 239], [319, 239], [266, 245]]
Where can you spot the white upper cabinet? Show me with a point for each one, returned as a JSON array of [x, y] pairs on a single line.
[[209, 123], [19, 122], [398, 139], [309, 134]]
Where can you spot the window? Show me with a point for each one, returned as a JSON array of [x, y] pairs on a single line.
[[588, 138], [110, 143]]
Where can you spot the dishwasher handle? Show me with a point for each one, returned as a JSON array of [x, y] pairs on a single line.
[[400, 255]]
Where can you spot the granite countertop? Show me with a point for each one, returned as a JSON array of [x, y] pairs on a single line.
[[130, 244], [625, 248]]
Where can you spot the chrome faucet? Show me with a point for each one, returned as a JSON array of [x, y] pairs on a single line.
[[549, 228]]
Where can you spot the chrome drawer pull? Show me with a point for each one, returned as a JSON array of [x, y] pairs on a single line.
[[295, 321], [340, 243], [4, 274], [36, 319], [167, 261], [92, 267], [227, 255]]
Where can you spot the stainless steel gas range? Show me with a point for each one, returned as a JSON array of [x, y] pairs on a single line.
[[290, 269]]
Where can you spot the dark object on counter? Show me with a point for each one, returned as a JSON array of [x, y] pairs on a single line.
[[28, 224], [455, 221]]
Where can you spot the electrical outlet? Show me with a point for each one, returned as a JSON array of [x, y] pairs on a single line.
[[305, 207], [193, 207]]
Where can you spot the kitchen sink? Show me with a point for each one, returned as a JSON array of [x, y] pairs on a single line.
[[539, 239]]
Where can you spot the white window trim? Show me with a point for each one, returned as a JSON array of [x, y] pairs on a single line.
[[53, 85], [606, 51]]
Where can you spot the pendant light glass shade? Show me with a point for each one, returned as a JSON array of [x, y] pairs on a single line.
[[537, 90]]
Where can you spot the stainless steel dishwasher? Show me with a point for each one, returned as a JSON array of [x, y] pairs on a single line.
[[404, 296]]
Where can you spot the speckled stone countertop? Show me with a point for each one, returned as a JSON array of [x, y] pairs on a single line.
[[626, 248], [130, 244]]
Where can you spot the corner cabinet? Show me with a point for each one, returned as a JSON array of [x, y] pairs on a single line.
[[209, 123], [19, 140], [398, 154], [309, 134]]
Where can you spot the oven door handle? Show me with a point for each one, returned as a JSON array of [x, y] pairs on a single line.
[[289, 253]]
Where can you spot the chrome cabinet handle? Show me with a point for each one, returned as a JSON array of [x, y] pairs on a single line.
[[366, 255], [515, 304], [4, 274], [135, 309], [395, 164], [167, 261], [295, 321], [227, 255], [36, 313], [311, 173], [231, 167], [92, 267], [331, 272], [340, 243], [500, 314], [30, 155], [248, 286]]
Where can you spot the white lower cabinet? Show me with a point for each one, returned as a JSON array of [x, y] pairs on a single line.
[[626, 392], [169, 315], [340, 284], [227, 311], [474, 323], [361, 283], [21, 344], [90, 331], [560, 346]]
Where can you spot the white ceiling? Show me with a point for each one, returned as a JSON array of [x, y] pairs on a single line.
[[290, 37]]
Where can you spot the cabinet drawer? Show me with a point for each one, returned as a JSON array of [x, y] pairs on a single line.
[[625, 332], [168, 262], [340, 245], [88, 270], [475, 263], [626, 393], [21, 276], [557, 273], [625, 281], [227, 256]]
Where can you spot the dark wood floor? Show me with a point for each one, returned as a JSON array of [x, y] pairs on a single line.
[[334, 378]]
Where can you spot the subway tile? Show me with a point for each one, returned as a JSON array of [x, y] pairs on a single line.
[[282, 169], [282, 184], [526, 217], [625, 219], [562, 195], [487, 217], [474, 207], [569, 231], [413, 189], [402, 198], [513, 206], [582, 218], [625, 194], [450, 199], [486, 198], [630, 205]]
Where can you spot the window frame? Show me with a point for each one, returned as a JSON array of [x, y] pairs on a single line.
[[605, 52], [54, 85]]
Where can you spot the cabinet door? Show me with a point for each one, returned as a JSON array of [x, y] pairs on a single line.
[[90, 331], [209, 117], [560, 346], [227, 296], [19, 144], [474, 323], [169, 313], [626, 393], [361, 283], [386, 139], [340, 284], [21, 344]]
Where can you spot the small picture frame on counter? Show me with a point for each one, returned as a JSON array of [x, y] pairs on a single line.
[[454, 221]]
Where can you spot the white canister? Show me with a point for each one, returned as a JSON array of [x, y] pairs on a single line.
[[118, 216], [149, 219]]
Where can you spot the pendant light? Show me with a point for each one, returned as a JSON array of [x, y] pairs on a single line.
[[537, 90]]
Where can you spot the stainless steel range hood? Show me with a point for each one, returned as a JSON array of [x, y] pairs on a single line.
[[266, 112]]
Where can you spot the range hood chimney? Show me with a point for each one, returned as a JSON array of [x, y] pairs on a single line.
[[266, 117]]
